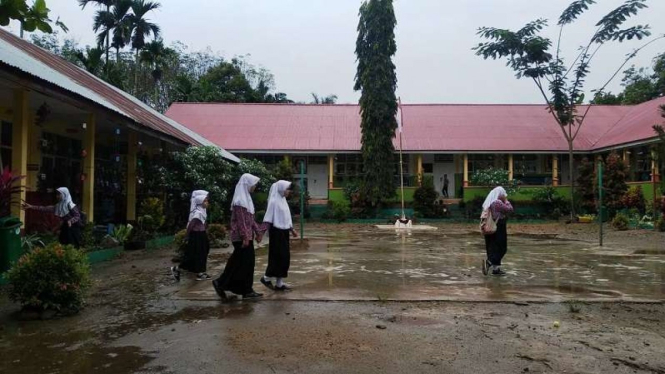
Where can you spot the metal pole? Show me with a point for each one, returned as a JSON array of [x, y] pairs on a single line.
[[600, 200], [401, 163], [655, 200], [302, 199]]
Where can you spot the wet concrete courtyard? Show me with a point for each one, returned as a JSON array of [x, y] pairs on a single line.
[[372, 264], [340, 317]]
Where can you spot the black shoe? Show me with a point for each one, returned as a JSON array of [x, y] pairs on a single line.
[[486, 266], [267, 283], [175, 273], [252, 295], [283, 288], [498, 272], [203, 276]]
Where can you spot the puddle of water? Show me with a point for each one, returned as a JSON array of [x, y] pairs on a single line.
[[369, 264]]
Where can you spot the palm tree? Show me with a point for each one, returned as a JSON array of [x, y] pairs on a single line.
[[141, 28], [102, 22], [330, 99], [121, 25], [91, 59], [154, 54]]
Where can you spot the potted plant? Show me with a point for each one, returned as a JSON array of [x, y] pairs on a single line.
[[141, 234], [10, 227]]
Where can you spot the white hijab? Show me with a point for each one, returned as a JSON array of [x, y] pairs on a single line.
[[278, 213], [65, 204], [493, 196], [192, 201], [199, 211], [242, 196]]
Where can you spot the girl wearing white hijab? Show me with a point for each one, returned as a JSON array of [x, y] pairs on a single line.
[[195, 258], [496, 244], [238, 275], [69, 214], [278, 219]]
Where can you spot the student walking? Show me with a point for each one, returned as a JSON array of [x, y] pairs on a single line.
[[69, 214], [195, 258], [496, 207], [238, 275], [279, 223]]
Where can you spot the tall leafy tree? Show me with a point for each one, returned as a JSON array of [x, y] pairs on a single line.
[[141, 28], [121, 31], [31, 18], [103, 24], [330, 99], [534, 57], [377, 81], [91, 60]]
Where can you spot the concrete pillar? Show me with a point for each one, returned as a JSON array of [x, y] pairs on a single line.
[[20, 126], [511, 167], [132, 152], [89, 168], [466, 170], [331, 171], [419, 169], [555, 170], [655, 173]]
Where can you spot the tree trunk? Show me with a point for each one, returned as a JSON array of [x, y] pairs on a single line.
[[572, 180], [108, 40], [136, 72]]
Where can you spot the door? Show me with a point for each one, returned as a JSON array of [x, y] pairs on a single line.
[[317, 176], [441, 169]]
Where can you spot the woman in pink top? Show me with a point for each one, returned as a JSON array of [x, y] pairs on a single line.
[[238, 275], [496, 245]]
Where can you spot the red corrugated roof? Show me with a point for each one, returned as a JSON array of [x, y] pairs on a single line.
[[427, 128], [33, 60], [635, 126]]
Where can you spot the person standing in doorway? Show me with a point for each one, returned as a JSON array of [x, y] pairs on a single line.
[[238, 275], [195, 258], [445, 186], [496, 244], [69, 214], [279, 223]]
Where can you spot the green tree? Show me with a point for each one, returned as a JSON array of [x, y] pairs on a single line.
[[103, 24], [141, 28], [31, 18], [330, 99], [587, 186], [91, 60], [534, 57], [614, 183], [659, 148], [154, 54], [377, 81]]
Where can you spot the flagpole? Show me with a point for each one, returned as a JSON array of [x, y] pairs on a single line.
[[401, 163]]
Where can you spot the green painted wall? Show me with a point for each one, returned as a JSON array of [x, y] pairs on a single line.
[[338, 195], [524, 193]]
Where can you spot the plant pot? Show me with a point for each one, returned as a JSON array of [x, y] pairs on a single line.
[[134, 246], [10, 242]]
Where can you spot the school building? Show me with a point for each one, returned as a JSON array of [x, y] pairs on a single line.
[[438, 140], [61, 126]]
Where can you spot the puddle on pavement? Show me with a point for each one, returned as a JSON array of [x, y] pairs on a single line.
[[369, 264]]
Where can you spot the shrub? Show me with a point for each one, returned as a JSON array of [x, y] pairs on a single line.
[[88, 236], [474, 208], [55, 277], [492, 177], [586, 190], [424, 201], [620, 222], [154, 208], [216, 234], [180, 237], [660, 224], [341, 210], [634, 199], [614, 183], [549, 200]]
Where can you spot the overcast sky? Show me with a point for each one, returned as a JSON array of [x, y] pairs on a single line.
[[309, 44]]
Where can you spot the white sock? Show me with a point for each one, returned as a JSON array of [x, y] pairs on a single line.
[[496, 267], [280, 282], [267, 279]]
